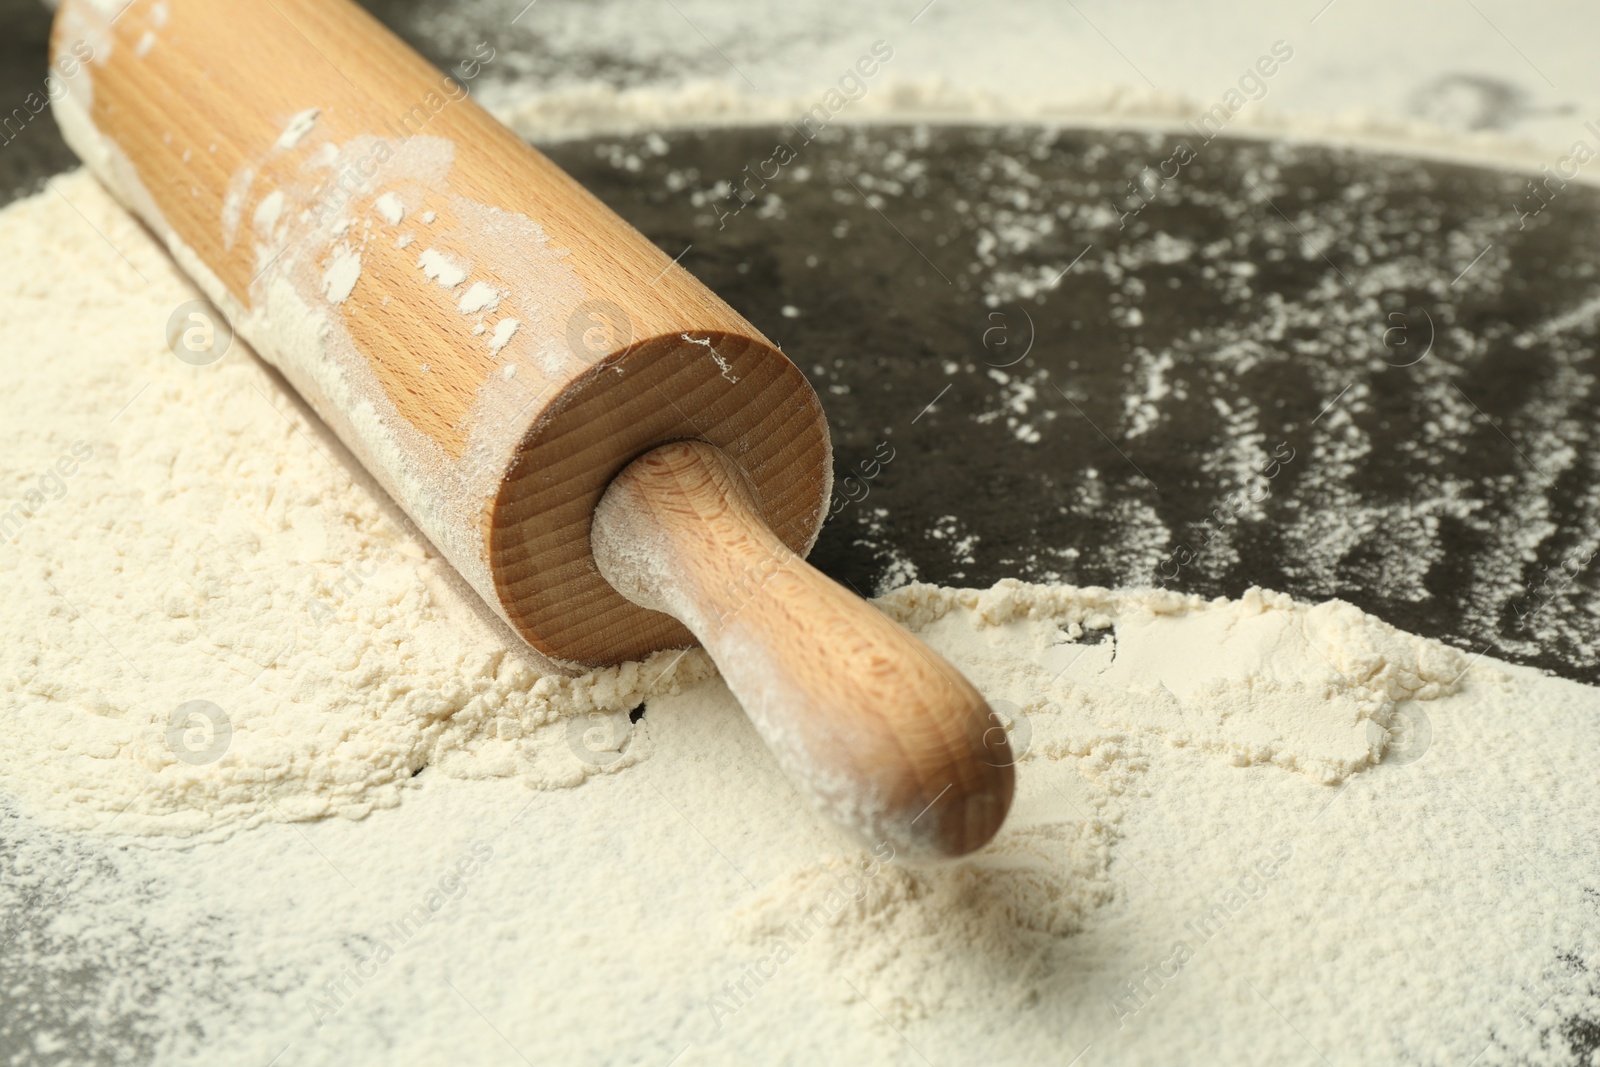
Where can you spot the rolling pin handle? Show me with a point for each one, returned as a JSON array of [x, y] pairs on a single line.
[[884, 735]]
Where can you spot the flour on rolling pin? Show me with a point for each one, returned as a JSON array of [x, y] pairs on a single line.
[[491, 341]]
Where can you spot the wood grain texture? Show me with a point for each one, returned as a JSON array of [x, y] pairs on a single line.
[[886, 736], [498, 454]]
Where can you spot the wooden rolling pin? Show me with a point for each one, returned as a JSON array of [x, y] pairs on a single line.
[[614, 459]]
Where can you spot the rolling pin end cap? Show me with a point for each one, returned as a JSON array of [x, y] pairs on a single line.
[[958, 823]]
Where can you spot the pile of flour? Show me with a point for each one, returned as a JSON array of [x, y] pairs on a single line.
[[1252, 830]]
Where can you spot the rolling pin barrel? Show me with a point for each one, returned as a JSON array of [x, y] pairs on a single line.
[[497, 347]]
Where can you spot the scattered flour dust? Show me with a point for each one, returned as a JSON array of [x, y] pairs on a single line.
[[1253, 830], [298, 126], [391, 208], [342, 274], [437, 266]]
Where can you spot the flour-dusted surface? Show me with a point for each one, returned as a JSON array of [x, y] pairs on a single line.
[[1180, 874]]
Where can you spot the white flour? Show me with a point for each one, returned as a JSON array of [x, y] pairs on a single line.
[[1246, 829]]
